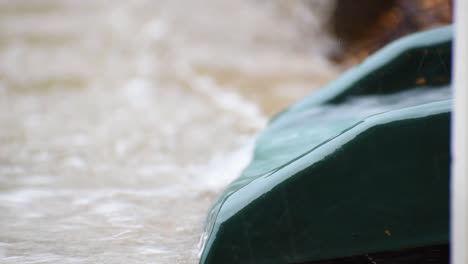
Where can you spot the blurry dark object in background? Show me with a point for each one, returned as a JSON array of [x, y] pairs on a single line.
[[363, 26]]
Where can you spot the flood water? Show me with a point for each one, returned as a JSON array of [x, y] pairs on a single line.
[[121, 121]]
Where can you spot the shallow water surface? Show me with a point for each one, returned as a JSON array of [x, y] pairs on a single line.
[[121, 121]]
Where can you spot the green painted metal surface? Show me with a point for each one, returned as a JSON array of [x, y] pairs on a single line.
[[335, 175]]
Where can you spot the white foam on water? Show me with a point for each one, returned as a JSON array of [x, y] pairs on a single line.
[[118, 132]]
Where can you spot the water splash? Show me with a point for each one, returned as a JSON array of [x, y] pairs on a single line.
[[121, 122]]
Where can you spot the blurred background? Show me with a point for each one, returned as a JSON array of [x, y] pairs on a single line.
[[120, 121]]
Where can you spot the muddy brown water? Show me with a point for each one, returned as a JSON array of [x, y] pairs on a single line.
[[121, 121]]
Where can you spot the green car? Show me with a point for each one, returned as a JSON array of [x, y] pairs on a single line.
[[355, 173]]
